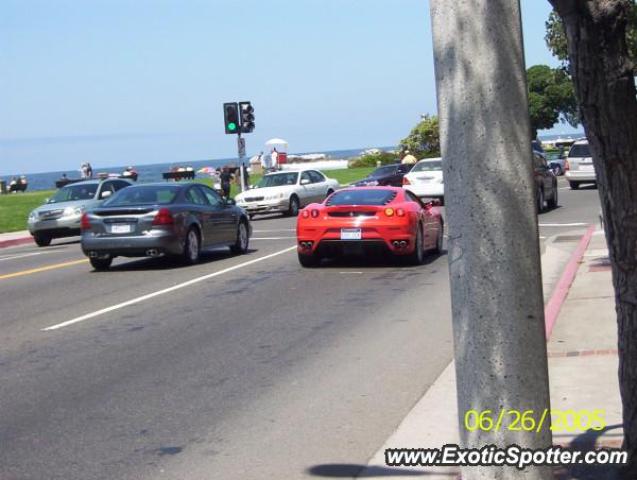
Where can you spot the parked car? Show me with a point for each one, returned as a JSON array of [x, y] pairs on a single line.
[[546, 191], [425, 179], [163, 219], [387, 175], [60, 215], [353, 220], [580, 165], [557, 163], [286, 192]]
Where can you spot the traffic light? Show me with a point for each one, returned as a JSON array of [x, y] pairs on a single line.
[[231, 117], [247, 117]]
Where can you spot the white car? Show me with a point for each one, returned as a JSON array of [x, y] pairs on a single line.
[[286, 192], [425, 179], [579, 165]]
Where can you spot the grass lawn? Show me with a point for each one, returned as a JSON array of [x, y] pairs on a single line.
[[15, 208], [348, 175]]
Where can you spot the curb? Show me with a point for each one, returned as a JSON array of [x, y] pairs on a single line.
[[15, 242], [554, 305]]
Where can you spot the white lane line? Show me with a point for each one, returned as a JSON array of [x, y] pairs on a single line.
[[272, 238], [22, 255], [576, 224], [351, 273], [164, 291]]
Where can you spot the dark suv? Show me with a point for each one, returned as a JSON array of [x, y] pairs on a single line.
[[545, 182], [387, 175]]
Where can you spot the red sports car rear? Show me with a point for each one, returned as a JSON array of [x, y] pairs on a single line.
[[367, 220]]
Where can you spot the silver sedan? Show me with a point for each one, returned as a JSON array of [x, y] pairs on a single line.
[[155, 220]]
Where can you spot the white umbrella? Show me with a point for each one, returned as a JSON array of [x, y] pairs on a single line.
[[276, 141]]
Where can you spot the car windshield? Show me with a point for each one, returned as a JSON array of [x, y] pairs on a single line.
[[580, 150], [362, 197], [428, 166], [72, 193], [143, 195], [382, 171], [278, 180]]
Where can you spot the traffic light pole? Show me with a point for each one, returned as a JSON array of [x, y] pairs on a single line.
[[241, 153], [493, 248]]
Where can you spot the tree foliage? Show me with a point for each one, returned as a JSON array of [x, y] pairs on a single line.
[[556, 37], [424, 139], [551, 98]]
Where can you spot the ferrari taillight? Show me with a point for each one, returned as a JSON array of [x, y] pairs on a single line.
[[389, 212], [314, 213], [406, 181], [305, 214], [400, 212]]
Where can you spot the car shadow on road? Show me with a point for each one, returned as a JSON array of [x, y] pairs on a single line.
[[267, 216], [352, 470], [173, 263], [377, 261]]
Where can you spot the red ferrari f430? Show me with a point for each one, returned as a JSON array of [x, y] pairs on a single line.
[[369, 220]]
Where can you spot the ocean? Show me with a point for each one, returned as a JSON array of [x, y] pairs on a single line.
[[152, 172]]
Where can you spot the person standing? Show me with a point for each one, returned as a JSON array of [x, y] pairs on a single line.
[[245, 176], [226, 179], [89, 170], [275, 158]]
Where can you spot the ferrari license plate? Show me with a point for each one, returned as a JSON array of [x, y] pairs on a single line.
[[351, 234], [121, 228]]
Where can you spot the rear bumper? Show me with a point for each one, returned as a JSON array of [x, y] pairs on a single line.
[[326, 240], [577, 176], [429, 191], [131, 246]]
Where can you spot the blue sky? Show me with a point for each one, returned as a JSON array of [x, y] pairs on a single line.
[[119, 82]]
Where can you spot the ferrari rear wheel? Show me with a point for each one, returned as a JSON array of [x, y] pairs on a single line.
[[439, 239], [417, 257], [309, 261]]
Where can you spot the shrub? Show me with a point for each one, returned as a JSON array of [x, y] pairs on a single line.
[[372, 159]]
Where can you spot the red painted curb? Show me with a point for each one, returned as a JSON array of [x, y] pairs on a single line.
[[553, 307], [15, 242]]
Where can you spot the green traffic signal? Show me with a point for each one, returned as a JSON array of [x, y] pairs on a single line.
[[232, 126]]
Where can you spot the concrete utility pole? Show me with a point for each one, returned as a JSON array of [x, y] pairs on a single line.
[[494, 260]]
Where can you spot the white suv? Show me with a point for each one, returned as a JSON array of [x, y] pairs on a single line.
[[580, 168]]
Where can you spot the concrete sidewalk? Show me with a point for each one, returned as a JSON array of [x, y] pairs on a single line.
[[15, 238], [582, 351]]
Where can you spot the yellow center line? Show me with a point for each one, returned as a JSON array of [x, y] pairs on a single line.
[[42, 269]]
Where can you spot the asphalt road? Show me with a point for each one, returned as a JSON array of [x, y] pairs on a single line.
[[254, 369]]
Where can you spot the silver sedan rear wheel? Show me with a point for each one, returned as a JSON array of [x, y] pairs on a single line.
[[243, 239], [191, 248]]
